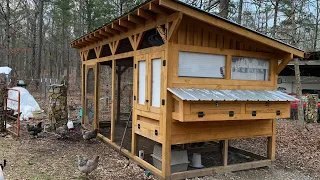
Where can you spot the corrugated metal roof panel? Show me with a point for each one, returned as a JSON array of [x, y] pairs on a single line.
[[230, 95]]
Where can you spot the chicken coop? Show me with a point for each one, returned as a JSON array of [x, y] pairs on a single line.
[[167, 78]]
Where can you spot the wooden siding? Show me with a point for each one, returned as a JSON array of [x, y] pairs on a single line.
[[197, 33]]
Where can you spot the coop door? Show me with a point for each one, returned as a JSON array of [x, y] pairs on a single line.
[[141, 66], [155, 81], [89, 97]]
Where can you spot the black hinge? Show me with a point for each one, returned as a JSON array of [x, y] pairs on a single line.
[[138, 126], [231, 113], [254, 113], [135, 66], [134, 97], [164, 63], [278, 113], [200, 114], [163, 102], [156, 132]]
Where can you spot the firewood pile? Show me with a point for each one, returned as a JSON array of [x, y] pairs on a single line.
[[58, 109], [312, 108]]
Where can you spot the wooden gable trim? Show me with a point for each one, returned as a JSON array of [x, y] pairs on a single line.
[[229, 27], [284, 63]]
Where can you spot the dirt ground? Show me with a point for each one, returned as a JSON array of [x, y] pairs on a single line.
[[298, 157]]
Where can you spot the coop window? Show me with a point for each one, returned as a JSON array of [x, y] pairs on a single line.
[[156, 82], [201, 65], [142, 82], [244, 68]]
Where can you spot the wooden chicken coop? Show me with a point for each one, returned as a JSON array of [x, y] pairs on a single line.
[[195, 77]]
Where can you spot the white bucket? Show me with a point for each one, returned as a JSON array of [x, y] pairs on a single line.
[[196, 161]]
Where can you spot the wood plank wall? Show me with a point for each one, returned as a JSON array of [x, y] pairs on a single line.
[[197, 33]]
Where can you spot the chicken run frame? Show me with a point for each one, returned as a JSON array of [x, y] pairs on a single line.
[[192, 81]]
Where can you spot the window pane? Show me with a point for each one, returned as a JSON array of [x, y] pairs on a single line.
[[244, 68], [142, 82], [201, 65], [156, 82]]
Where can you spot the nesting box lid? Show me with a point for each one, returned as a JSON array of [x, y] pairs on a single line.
[[187, 94]]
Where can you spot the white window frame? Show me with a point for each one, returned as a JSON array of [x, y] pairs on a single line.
[[201, 65]]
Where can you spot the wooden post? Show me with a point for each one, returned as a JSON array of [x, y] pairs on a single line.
[[119, 73], [166, 118], [271, 152], [225, 152], [113, 90], [96, 96], [299, 94]]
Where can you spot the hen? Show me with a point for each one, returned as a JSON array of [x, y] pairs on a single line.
[[87, 135], [62, 131], [1, 169], [86, 165], [34, 130]]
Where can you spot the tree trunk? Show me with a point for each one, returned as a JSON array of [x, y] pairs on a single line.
[[240, 12], [224, 8], [34, 37], [293, 24], [316, 31], [299, 94], [275, 18], [7, 40], [38, 74]]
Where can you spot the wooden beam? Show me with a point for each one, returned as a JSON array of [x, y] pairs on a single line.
[[98, 35], [118, 28], [83, 41], [225, 152], [146, 14], [97, 50], [284, 63], [136, 19], [104, 33], [132, 42], [138, 38], [113, 95], [229, 27], [85, 54], [112, 31], [127, 24], [174, 26], [271, 152], [163, 33], [158, 9], [91, 36], [96, 96], [89, 40], [220, 169]]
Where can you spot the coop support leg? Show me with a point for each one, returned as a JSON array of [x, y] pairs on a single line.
[[225, 152], [272, 142]]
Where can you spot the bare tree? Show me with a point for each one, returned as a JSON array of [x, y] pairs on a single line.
[[240, 11]]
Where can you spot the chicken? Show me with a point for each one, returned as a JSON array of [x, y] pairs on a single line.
[[86, 165], [87, 135], [62, 131], [4, 164], [34, 130], [1, 169]]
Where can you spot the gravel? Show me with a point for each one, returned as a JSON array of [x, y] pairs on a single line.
[[297, 157]]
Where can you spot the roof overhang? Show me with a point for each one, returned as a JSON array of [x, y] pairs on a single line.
[[149, 10], [187, 94]]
